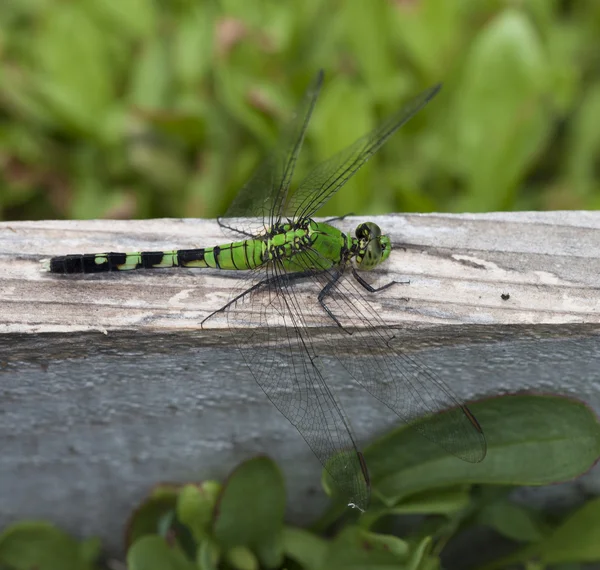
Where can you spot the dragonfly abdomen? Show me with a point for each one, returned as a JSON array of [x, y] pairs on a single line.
[[237, 255]]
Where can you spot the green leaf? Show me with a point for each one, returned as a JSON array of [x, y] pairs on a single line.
[[136, 18], [355, 548], [153, 553], [366, 29], [420, 558], [90, 549], [250, 511], [532, 440], [332, 131], [438, 502], [193, 45], [428, 31], [584, 147], [513, 521], [499, 108], [195, 505], [148, 517], [149, 83], [207, 555], [42, 546], [78, 91], [242, 558], [304, 547], [575, 540]]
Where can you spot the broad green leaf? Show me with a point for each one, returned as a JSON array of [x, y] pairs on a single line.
[[332, 131], [366, 29], [193, 45], [513, 521], [150, 80], [427, 31], [153, 553], [40, 545], [532, 440], [195, 505], [357, 549], [146, 519], [436, 502], [577, 539], [584, 147], [90, 549], [75, 73], [500, 118], [308, 549], [136, 18], [250, 509], [242, 558]]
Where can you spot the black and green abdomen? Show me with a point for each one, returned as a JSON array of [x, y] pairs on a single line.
[[238, 255]]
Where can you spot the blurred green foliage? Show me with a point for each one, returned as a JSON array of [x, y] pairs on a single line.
[[139, 108]]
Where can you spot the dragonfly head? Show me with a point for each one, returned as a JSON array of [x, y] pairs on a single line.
[[373, 248]]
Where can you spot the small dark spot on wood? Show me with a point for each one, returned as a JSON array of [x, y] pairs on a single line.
[[505, 296]]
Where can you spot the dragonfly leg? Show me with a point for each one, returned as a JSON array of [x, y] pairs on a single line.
[[254, 287], [338, 218], [324, 292], [232, 229], [237, 298], [372, 289]]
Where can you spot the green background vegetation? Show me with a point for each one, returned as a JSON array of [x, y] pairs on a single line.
[[139, 108]]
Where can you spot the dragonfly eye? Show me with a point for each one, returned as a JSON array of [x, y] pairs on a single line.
[[368, 231]]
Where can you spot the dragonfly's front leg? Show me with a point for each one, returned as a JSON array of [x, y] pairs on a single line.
[[372, 289], [324, 292]]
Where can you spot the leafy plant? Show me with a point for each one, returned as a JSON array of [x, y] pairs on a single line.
[[163, 109], [239, 525]]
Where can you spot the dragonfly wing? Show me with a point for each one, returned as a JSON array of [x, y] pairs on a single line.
[[269, 327], [328, 177], [265, 193], [394, 376]]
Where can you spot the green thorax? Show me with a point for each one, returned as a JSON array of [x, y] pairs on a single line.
[[300, 245]]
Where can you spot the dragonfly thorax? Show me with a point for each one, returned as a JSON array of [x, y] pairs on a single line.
[[284, 240], [370, 246]]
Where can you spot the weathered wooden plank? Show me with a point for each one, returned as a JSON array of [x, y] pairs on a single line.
[[108, 385]]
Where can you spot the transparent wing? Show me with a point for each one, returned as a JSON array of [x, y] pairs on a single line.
[[328, 177], [269, 326], [395, 377], [263, 196]]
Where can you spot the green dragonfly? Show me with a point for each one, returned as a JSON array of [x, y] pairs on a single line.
[[278, 245]]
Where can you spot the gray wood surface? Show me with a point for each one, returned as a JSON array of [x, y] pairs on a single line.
[[107, 384]]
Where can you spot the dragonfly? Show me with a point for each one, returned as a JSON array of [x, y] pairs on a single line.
[[286, 345]]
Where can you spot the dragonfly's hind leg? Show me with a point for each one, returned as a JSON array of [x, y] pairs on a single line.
[[224, 226], [235, 299], [254, 287]]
